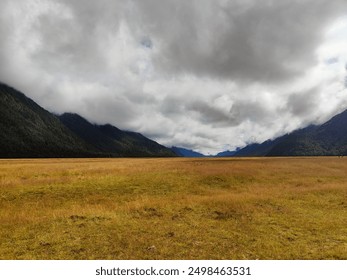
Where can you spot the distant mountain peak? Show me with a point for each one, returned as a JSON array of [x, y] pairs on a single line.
[[183, 152], [226, 153]]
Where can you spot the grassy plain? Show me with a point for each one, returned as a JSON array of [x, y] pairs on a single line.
[[258, 208]]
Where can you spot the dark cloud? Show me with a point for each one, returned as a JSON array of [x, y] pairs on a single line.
[[210, 114], [265, 41], [303, 104], [256, 112]]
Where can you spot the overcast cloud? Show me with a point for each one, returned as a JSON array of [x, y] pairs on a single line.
[[207, 75]]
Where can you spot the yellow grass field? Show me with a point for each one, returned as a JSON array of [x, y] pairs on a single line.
[[257, 208]]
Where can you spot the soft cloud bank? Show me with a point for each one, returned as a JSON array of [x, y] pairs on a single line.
[[206, 75]]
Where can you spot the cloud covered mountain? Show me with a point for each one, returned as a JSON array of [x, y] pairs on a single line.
[[29, 131], [113, 142], [328, 139]]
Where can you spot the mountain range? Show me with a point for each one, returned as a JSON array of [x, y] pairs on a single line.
[[328, 139], [29, 131]]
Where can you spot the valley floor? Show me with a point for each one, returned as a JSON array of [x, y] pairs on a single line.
[[228, 208]]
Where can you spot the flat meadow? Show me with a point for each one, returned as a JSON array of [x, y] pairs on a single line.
[[174, 208]]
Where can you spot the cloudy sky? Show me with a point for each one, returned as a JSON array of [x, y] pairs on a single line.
[[202, 74]]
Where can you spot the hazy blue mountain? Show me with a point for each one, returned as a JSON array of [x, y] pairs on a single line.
[[182, 152], [226, 154]]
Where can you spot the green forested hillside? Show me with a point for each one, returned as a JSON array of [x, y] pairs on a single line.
[[112, 141], [29, 131]]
